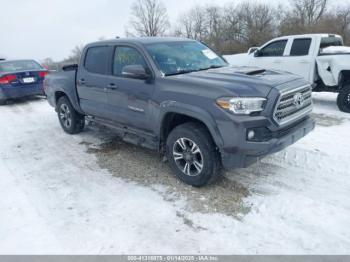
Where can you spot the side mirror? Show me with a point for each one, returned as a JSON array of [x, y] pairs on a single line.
[[257, 53], [252, 50], [135, 72]]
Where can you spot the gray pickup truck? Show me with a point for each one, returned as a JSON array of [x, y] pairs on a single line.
[[180, 98]]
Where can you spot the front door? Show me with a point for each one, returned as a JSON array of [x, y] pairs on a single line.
[[270, 56], [129, 99]]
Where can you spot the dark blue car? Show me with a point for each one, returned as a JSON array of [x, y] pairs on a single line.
[[20, 78]]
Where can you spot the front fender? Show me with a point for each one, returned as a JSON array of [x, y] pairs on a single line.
[[194, 112]]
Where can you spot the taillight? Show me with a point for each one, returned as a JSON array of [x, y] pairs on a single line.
[[7, 79], [42, 74]]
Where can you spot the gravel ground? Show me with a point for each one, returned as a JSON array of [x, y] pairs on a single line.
[[146, 167]]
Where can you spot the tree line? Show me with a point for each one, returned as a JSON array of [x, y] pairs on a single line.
[[234, 27]]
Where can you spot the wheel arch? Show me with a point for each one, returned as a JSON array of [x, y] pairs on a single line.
[[344, 78], [175, 115], [74, 101], [58, 95]]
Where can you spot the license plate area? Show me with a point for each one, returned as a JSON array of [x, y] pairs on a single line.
[[28, 80]]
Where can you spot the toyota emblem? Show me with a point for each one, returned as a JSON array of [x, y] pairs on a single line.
[[298, 100]]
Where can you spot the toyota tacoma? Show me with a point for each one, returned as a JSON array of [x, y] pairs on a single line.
[[179, 97]]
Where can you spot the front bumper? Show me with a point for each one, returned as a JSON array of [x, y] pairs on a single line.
[[248, 152]]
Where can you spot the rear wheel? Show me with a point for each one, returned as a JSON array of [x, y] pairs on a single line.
[[343, 99], [192, 154], [71, 121]]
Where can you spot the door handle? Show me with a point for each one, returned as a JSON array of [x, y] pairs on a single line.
[[304, 62], [112, 86], [82, 81]]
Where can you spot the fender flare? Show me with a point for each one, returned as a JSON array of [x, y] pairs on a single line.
[[194, 112], [73, 98]]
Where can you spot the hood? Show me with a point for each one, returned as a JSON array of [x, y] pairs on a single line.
[[240, 81]]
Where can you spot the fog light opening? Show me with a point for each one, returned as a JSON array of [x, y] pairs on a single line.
[[251, 135]]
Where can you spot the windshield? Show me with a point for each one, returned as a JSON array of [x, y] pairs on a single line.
[[23, 65], [174, 58]]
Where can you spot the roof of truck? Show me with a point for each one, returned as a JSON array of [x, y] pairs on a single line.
[[142, 40], [308, 35]]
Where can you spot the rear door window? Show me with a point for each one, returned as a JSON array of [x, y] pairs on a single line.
[[274, 49], [96, 60], [300, 47]]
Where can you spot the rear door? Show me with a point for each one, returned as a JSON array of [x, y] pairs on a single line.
[[299, 59], [271, 55], [129, 99], [92, 79]]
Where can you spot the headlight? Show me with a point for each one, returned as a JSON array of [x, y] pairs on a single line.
[[242, 105]]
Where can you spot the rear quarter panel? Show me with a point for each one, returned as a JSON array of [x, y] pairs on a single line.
[[330, 66], [62, 82]]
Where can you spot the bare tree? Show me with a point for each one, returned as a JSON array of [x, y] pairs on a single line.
[[215, 26], [236, 27], [49, 63], [309, 11], [258, 23], [193, 23], [229, 29], [149, 18], [73, 58], [343, 16], [248, 24], [75, 55]]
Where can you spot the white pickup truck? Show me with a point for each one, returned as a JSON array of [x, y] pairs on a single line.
[[320, 58]]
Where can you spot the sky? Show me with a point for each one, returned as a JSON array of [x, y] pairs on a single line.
[[40, 28]]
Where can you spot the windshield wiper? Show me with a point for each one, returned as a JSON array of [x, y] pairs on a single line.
[[180, 72], [210, 67], [186, 71]]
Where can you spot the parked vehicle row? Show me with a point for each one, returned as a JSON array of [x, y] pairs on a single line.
[[321, 59], [20, 78], [180, 98]]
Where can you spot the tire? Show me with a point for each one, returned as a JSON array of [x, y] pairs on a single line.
[[71, 121], [343, 100], [192, 154]]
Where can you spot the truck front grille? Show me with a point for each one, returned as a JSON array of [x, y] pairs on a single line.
[[293, 105]]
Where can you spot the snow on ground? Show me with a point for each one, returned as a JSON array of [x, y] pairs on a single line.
[[62, 194]]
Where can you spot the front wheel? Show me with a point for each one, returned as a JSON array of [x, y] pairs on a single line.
[[343, 99], [192, 154], [71, 121]]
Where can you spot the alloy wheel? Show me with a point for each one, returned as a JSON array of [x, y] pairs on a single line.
[[188, 157], [65, 116]]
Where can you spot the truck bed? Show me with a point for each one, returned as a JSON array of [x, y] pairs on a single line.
[[65, 82]]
